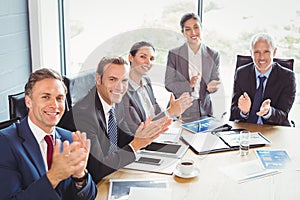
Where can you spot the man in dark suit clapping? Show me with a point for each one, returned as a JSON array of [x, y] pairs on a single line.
[[263, 91]]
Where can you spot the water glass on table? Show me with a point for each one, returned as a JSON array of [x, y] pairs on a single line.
[[244, 142]]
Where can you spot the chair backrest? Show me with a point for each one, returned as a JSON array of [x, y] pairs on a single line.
[[78, 86], [7, 123], [243, 60], [17, 106]]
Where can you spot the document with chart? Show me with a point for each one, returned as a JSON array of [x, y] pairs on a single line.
[[120, 189], [202, 125], [273, 158], [210, 142]]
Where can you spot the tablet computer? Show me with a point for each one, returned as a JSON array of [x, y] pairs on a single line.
[[166, 149]]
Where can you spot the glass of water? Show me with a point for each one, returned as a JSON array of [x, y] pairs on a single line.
[[244, 142]]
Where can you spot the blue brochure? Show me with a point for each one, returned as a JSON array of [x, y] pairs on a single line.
[[273, 159], [202, 125]]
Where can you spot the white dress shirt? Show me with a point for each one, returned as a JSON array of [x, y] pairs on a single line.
[[143, 96], [39, 135], [106, 108], [195, 66]]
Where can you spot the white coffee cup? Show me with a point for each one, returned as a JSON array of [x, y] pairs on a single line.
[[186, 166]]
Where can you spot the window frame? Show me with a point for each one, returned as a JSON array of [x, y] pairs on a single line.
[[44, 34]]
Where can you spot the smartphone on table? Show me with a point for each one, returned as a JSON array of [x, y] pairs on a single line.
[[148, 160]]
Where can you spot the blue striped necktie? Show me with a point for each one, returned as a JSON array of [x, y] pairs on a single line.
[[257, 101], [112, 130]]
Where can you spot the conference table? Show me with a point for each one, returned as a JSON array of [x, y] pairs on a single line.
[[212, 183]]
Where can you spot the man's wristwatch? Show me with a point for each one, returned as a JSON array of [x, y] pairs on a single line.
[[79, 180]]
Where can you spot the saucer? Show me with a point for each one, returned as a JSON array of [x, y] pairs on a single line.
[[193, 174]]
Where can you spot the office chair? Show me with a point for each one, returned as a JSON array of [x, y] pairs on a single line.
[[78, 86], [287, 63], [7, 123], [17, 107], [243, 60]]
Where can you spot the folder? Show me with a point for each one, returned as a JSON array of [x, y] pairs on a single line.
[[211, 142]]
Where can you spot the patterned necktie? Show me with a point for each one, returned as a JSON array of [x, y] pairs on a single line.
[[50, 147], [112, 130], [257, 101]]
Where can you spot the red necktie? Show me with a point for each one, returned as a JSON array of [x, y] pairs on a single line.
[[50, 147]]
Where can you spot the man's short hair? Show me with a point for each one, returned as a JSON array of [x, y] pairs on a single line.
[[42, 74], [109, 60], [262, 36]]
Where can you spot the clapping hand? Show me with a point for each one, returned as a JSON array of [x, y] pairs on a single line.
[[178, 106], [264, 108], [244, 103], [213, 86], [149, 131], [71, 161]]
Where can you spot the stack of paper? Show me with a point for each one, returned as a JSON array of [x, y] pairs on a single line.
[[167, 166], [170, 136], [162, 155], [138, 193], [247, 171]]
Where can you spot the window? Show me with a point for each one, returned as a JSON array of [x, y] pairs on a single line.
[[229, 25], [98, 28]]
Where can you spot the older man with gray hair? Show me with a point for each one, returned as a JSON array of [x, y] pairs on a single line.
[[264, 91]]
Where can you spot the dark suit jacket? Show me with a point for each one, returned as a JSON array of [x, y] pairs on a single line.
[[280, 88], [23, 172], [87, 115], [177, 78], [132, 108]]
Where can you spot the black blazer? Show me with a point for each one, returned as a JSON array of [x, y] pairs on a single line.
[[280, 88], [87, 115]]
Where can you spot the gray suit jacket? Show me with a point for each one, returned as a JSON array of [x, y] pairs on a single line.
[[132, 108], [177, 78], [87, 115]]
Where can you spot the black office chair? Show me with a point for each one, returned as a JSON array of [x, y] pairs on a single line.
[[287, 63], [78, 86], [17, 106], [243, 60], [7, 123]]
